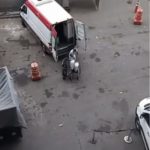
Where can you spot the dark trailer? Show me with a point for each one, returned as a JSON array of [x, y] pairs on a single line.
[[11, 119]]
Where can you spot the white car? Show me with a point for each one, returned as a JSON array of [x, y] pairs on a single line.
[[142, 121]]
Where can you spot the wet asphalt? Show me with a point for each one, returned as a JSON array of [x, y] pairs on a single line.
[[62, 115]]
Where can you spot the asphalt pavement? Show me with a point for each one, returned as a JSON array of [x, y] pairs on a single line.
[[62, 115]]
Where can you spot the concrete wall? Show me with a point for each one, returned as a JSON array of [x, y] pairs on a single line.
[[14, 5], [9, 5], [82, 3]]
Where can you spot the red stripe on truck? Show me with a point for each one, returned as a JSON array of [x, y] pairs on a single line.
[[42, 18]]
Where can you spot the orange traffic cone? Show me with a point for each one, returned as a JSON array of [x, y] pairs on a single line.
[[36, 75], [138, 16], [136, 6]]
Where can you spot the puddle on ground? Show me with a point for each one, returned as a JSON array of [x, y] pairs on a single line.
[[104, 128], [146, 68], [82, 126], [114, 43], [43, 104], [20, 76], [2, 52], [116, 54], [28, 58], [75, 96], [33, 110], [101, 90], [93, 55], [120, 123], [104, 121], [114, 26], [81, 87], [136, 53], [64, 94], [129, 1], [91, 27], [48, 93], [143, 32], [25, 43], [121, 105], [97, 60], [118, 35]]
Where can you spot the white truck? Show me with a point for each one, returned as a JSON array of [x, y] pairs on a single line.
[[53, 25]]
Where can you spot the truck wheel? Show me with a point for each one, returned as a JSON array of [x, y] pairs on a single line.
[[44, 48], [23, 23], [19, 133], [137, 124]]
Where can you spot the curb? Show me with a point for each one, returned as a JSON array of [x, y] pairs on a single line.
[[6, 15]]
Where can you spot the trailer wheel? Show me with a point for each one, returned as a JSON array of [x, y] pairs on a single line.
[[19, 133], [1, 138]]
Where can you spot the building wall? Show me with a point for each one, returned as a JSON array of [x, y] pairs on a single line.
[[13, 5], [9, 5]]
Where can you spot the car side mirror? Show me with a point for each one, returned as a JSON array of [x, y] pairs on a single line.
[[21, 8]]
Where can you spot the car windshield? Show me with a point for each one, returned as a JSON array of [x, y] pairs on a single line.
[[147, 107], [147, 118]]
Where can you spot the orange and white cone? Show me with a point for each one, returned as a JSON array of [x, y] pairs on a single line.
[[35, 72], [138, 16]]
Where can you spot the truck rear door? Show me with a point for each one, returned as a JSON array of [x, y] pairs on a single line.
[[52, 43], [81, 34]]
